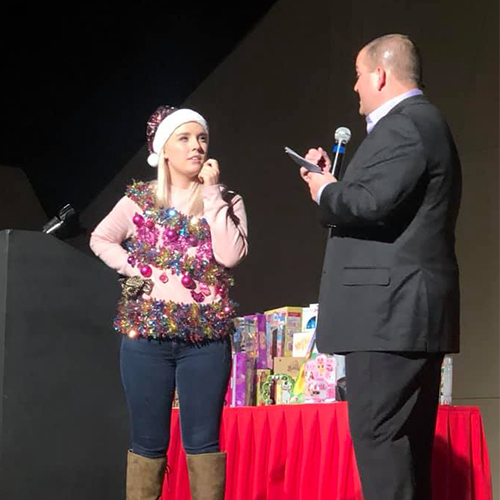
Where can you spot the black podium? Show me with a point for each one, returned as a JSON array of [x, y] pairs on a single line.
[[63, 419]]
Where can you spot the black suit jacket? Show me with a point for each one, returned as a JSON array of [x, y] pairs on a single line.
[[390, 275]]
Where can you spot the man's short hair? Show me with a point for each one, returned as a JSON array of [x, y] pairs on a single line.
[[398, 54]]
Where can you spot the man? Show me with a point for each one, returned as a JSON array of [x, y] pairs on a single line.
[[389, 295]]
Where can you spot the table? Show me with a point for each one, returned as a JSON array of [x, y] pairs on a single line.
[[304, 452]]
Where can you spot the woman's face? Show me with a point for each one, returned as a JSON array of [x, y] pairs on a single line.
[[186, 151]]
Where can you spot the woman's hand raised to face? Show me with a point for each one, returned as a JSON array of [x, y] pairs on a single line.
[[209, 173]]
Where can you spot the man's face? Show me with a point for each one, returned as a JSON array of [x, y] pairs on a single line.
[[366, 85]]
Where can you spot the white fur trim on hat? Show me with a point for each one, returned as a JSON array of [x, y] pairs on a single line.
[[167, 127], [153, 159]]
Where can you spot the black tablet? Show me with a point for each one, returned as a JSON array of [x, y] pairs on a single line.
[[302, 161]]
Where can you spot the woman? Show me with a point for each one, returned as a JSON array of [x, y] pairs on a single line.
[[174, 240]]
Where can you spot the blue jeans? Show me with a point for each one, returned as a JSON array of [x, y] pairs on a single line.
[[151, 370]]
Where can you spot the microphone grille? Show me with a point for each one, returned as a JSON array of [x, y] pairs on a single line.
[[343, 134]]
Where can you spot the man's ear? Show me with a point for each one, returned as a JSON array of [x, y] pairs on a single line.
[[381, 78]]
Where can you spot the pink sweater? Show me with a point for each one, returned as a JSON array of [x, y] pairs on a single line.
[[186, 259]]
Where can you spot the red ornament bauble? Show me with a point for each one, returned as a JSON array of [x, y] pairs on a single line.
[[187, 281], [172, 235], [146, 271], [138, 220]]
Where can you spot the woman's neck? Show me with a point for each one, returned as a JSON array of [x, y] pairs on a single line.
[[182, 182]]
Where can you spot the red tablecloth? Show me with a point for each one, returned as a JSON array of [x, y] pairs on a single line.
[[304, 452]]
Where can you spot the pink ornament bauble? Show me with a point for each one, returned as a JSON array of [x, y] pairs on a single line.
[[131, 260], [146, 271], [172, 235], [138, 220], [150, 224], [163, 278], [193, 241], [187, 281], [198, 297]]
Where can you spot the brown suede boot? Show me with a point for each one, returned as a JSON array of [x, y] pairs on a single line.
[[207, 476], [144, 477]]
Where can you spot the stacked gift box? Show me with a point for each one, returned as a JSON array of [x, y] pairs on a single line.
[[275, 361]]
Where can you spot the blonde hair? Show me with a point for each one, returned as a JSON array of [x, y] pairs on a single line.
[[163, 190]]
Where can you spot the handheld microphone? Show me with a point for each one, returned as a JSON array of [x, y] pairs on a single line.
[[342, 137]]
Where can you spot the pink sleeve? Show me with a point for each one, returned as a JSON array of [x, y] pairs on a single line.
[[106, 239], [228, 226]]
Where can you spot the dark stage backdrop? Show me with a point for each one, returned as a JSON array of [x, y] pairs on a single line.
[[289, 83], [19, 204]]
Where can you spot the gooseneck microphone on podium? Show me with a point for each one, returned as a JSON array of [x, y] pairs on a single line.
[[342, 137], [65, 216]]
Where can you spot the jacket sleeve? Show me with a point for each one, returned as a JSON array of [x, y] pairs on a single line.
[[378, 188], [106, 239], [228, 225]]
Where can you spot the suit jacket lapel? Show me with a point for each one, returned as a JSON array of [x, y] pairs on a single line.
[[416, 99]]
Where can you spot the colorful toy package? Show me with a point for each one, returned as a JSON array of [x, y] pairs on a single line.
[[309, 317], [301, 343], [282, 323], [261, 378], [259, 348], [320, 379], [238, 379]]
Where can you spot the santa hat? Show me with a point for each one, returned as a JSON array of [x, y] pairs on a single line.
[[162, 124]]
